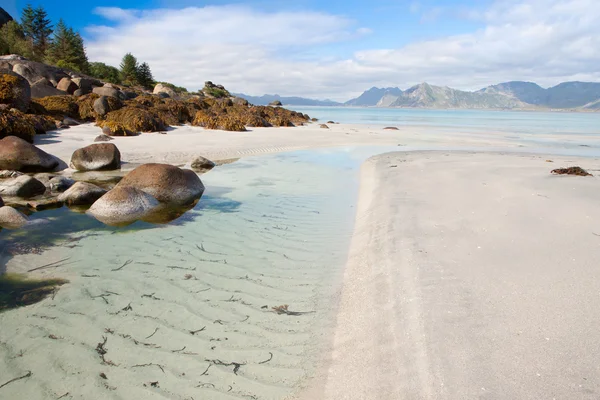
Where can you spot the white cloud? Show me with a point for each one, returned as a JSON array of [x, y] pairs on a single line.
[[546, 41]]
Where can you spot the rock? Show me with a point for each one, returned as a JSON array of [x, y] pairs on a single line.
[[391, 128], [86, 85], [131, 119], [130, 95], [43, 88], [330, 122], [33, 71], [276, 103], [167, 183], [44, 177], [81, 194], [241, 102], [15, 123], [67, 85], [106, 91], [324, 126], [96, 157], [101, 106], [4, 17], [6, 173], [45, 203], [23, 186], [163, 95], [162, 89], [17, 154], [70, 122], [14, 90], [103, 138], [11, 218], [1, 202], [202, 164], [123, 205], [60, 183], [79, 93]]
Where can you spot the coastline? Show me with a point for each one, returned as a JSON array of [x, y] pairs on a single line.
[[469, 275]]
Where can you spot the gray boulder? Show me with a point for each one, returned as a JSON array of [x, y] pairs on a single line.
[[81, 194], [79, 93], [103, 138], [106, 91], [86, 85], [23, 186], [67, 85], [96, 157], [123, 205], [162, 89], [201, 164], [18, 155], [16, 92], [43, 87], [101, 106], [68, 121], [60, 183], [11, 218], [166, 183], [33, 71]]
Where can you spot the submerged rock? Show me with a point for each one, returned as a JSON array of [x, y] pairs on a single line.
[[81, 194], [60, 183], [23, 186], [96, 157], [17, 154], [11, 218], [167, 183], [201, 164], [123, 205]]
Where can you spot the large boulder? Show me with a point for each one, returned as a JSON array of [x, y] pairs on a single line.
[[14, 90], [166, 183], [96, 157], [33, 71], [201, 164], [106, 91], [105, 104], [16, 154], [86, 85], [129, 119], [81, 194], [43, 88], [11, 218], [123, 205], [163, 89], [67, 85], [23, 186]]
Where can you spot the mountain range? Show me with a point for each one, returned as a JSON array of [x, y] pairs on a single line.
[[509, 95]]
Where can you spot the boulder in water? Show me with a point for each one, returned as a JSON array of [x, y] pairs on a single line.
[[81, 194], [11, 218], [23, 186], [96, 157], [17, 154], [123, 205]]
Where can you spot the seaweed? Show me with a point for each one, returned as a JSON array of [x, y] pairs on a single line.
[[571, 171]]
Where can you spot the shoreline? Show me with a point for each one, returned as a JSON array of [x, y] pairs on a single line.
[[404, 323]]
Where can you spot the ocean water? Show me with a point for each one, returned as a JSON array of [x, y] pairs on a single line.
[[189, 304], [517, 122]]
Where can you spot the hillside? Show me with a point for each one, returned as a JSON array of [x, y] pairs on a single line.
[[289, 101]]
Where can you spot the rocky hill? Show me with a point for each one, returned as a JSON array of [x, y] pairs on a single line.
[[267, 99], [508, 95]]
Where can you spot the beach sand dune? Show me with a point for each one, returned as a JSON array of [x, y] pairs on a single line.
[[469, 276]]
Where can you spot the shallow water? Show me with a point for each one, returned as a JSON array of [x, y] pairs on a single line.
[[269, 231]]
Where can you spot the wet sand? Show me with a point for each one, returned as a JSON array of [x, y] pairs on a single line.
[[470, 276]]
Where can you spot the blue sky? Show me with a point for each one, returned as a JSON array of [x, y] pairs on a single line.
[[337, 48]]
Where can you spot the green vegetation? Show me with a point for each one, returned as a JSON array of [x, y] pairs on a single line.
[[37, 29], [12, 40], [67, 50], [17, 290], [105, 72], [144, 76], [177, 89]]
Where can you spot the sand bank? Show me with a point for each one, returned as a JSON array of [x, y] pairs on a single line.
[[470, 276]]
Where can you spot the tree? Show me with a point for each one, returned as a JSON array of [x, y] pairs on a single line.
[[105, 72], [67, 49], [129, 69], [37, 29], [12, 40], [144, 76]]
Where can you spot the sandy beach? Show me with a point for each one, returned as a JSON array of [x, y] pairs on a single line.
[[469, 274]]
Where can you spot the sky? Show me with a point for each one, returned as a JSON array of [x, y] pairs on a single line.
[[337, 49]]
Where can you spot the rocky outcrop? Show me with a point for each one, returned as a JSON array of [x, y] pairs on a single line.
[[4, 17], [23, 186], [130, 120], [276, 103], [166, 183], [81, 194], [201, 164], [14, 90], [43, 88], [11, 218], [16, 154], [123, 205], [160, 88], [96, 157], [67, 85]]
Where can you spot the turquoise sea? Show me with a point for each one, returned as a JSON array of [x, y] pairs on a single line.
[[520, 122]]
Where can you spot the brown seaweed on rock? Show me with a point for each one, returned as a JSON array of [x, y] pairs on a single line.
[[571, 171], [131, 119], [57, 106]]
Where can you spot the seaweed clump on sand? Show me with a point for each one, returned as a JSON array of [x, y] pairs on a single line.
[[571, 171], [18, 290]]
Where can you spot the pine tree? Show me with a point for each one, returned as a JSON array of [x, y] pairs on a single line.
[[12, 40], [129, 69], [144, 76], [105, 72], [67, 49], [42, 29], [27, 21]]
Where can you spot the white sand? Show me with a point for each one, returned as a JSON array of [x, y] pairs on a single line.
[[470, 276]]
